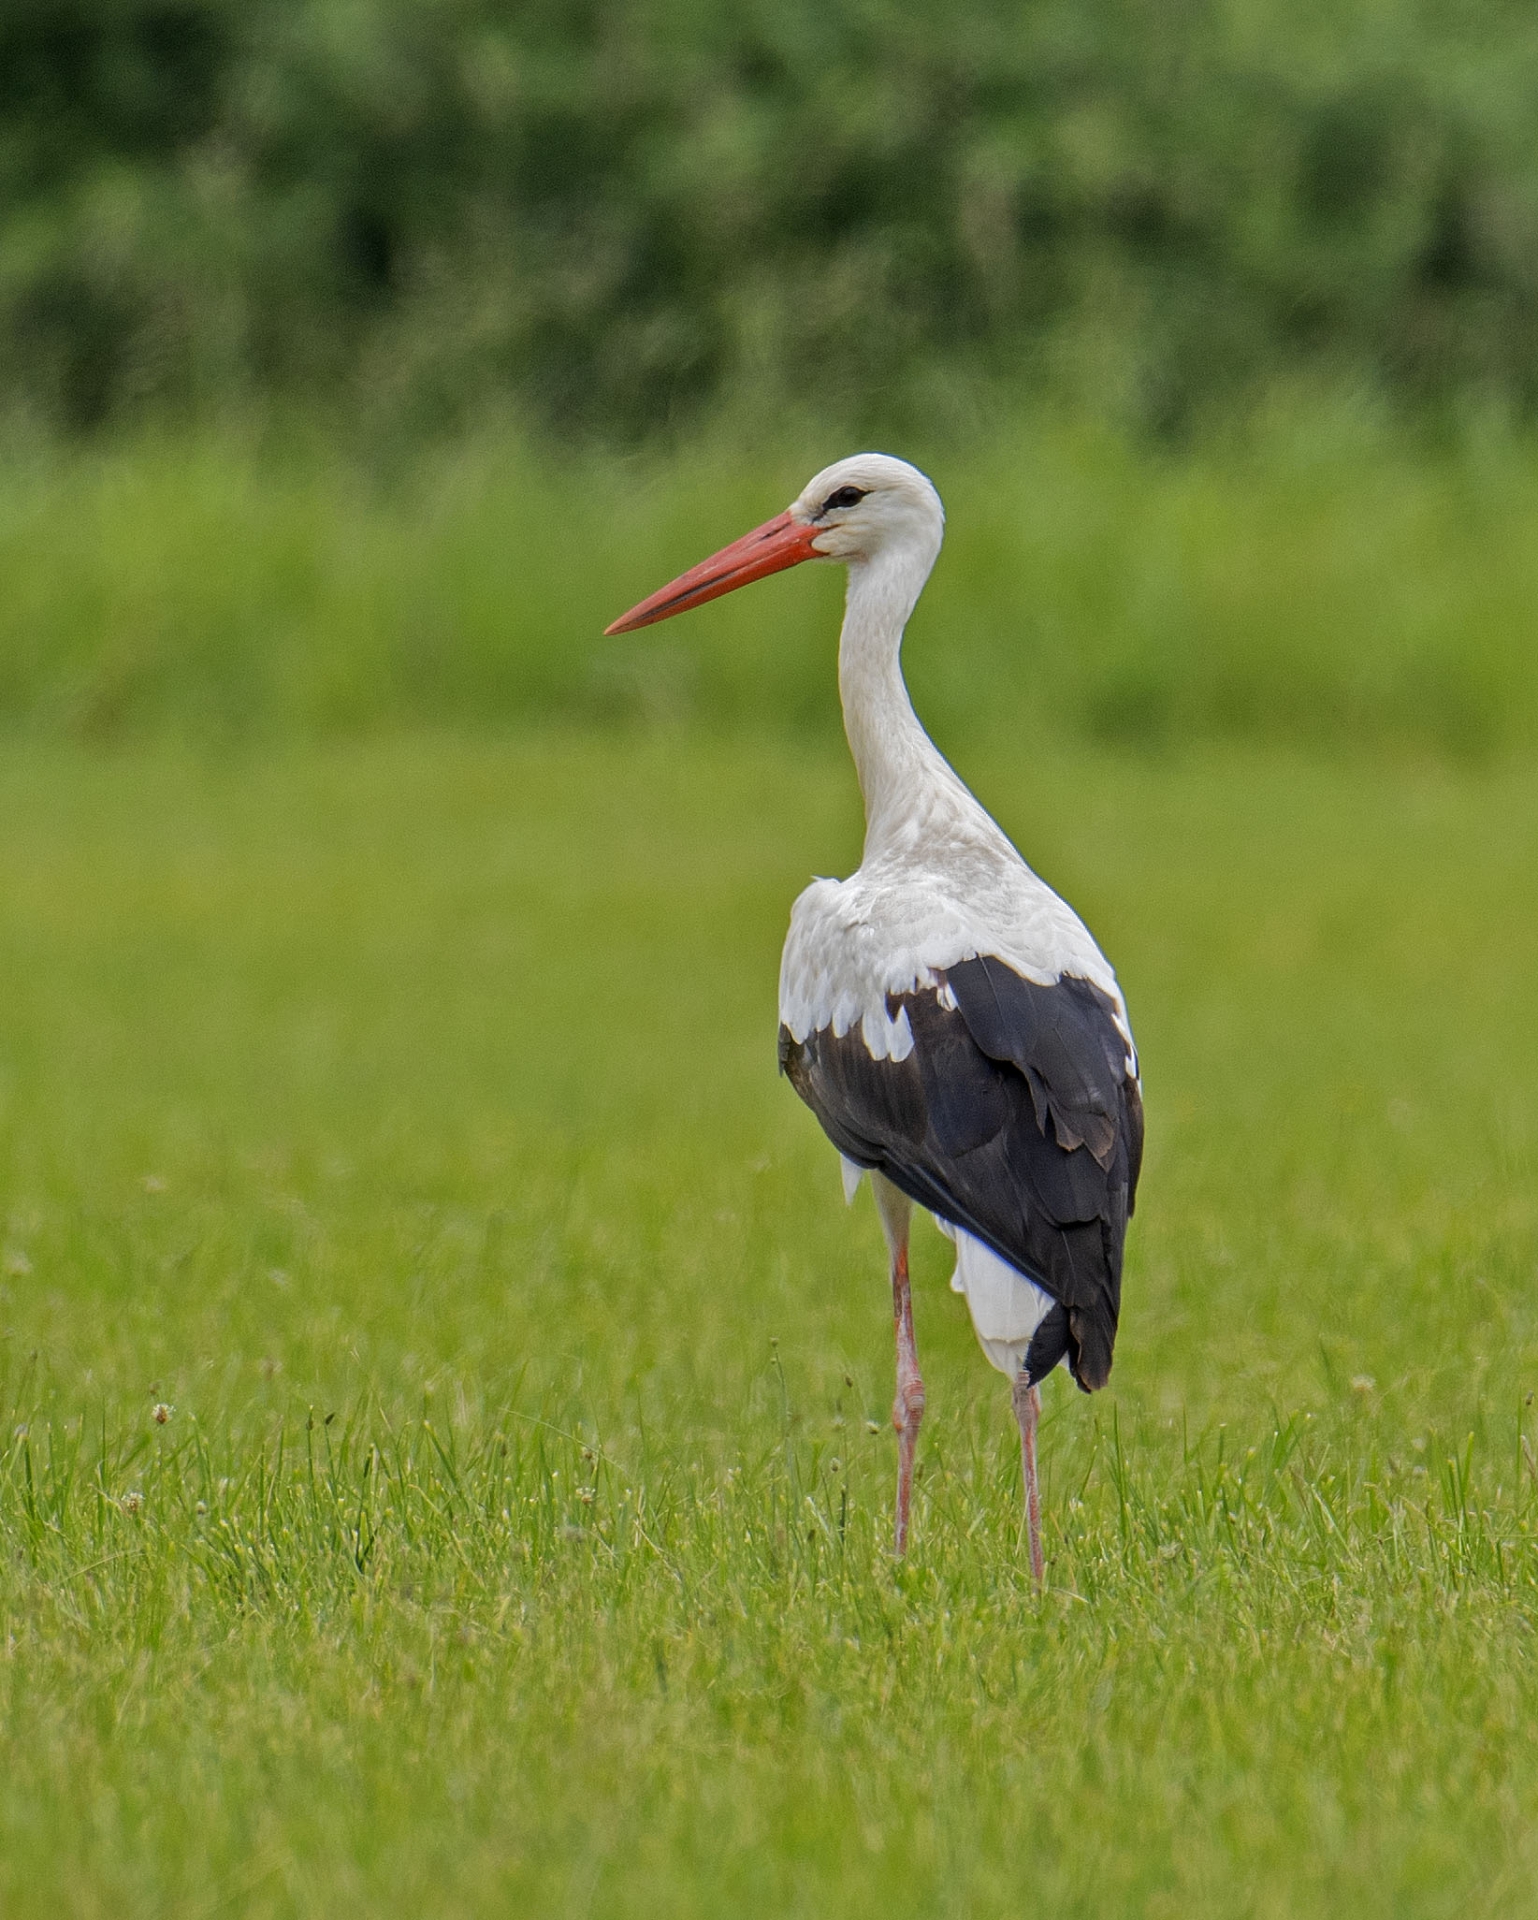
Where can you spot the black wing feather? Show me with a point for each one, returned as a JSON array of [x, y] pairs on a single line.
[[1014, 1117]]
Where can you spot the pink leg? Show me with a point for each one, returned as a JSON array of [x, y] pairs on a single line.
[[1028, 1413], [908, 1406]]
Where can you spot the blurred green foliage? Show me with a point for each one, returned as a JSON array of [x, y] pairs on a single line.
[[1327, 583], [621, 213]]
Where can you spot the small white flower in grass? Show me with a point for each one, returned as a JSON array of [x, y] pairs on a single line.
[[132, 1501], [154, 1183], [1363, 1383], [585, 1495], [162, 1413]]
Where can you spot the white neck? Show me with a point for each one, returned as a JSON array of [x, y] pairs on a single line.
[[899, 766]]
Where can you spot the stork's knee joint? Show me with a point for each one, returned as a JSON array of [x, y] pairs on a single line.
[[908, 1407]]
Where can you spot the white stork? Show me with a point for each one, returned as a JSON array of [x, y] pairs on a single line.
[[945, 1015]]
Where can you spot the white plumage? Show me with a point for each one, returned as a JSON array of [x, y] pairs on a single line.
[[1006, 1308]]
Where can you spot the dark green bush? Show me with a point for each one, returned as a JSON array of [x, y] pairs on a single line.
[[616, 213]]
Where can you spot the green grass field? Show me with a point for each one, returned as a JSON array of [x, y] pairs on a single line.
[[402, 1115]]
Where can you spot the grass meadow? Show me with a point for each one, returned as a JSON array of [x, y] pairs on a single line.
[[1316, 579], [445, 1464]]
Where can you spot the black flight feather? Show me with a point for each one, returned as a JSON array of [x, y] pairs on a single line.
[[1014, 1117]]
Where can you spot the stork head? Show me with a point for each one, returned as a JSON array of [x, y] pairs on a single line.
[[858, 510]]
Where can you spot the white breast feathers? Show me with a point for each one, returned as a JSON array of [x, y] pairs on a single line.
[[891, 929]]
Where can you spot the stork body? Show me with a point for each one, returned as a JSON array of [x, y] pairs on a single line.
[[947, 1017]]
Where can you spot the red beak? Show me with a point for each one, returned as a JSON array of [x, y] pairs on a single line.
[[777, 544]]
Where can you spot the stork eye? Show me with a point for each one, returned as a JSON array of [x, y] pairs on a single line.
[[844, 497]]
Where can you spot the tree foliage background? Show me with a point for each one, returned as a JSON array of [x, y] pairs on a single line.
[[620, 212]]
